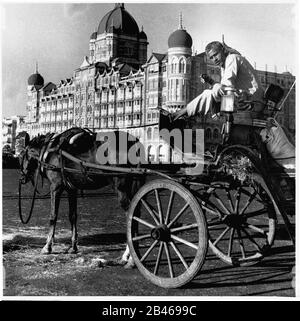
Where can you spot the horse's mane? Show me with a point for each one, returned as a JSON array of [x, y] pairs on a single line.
[[83, 143], [37, 141]]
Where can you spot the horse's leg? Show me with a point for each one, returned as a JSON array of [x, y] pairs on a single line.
[[72, 196], [124, 193], [127, 259], [55, 193], [132, 186]]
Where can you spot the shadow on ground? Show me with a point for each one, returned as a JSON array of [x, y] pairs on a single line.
[[26, 241]]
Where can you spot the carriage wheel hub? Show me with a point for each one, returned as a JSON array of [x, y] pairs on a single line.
[[234, 220], [161, 233]]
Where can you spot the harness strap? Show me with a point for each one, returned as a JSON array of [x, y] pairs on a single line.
[[66, 181]]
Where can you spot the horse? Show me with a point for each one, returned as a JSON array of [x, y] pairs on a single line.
[[42, 155]]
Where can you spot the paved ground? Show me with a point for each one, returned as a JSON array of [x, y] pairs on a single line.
[[102, 236]]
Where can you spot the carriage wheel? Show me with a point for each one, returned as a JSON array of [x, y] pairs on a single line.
[[241, 220], [167, 233]]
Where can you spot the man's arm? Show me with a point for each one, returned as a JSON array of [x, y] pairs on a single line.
[[230, 70]]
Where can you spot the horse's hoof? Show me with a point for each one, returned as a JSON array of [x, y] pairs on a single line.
[[129, 265], [46, 250], [120, 261], [73, 251]]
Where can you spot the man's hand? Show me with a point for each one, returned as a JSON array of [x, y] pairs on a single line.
[[221, 90], [242, 95], [205, 79], [218, 90]]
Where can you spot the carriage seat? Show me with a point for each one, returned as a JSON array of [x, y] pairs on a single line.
[[272, 96]]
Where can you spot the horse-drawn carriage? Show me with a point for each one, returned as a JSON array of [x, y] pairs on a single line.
[[231, 207]]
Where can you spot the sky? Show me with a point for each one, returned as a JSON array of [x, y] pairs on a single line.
[[56, 35]]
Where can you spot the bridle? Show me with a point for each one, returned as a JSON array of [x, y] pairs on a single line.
[[25, 178], [23, 182]]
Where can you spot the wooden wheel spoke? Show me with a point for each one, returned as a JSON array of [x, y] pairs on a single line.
[[230, 241], [149, 250], [142, 222], [249, 201], [237, 201], [152, 213], [179, 255], [256, 213], [141, 237], [242, 247], [210, 210], [211, 224], [221, 235], [159, 207], [252, 240], [256, 229], [181, 240], [178, 215], [229, 199], [184, 228], [249, 194], [158, 258], [169, 260], [169, 207], [221, 203]]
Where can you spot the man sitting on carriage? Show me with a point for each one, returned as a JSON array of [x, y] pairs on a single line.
[[238, 75]]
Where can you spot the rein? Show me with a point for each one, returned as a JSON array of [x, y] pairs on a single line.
[[33, 198], [35, 184]]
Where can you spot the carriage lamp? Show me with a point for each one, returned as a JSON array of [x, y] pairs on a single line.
[[227, 107], [227, 101]]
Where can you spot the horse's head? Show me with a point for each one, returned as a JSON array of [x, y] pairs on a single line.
[[29, 159]]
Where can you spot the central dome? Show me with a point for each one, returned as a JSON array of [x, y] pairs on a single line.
[[118, 20]]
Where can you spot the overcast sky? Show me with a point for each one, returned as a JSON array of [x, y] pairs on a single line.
[[56, 35]]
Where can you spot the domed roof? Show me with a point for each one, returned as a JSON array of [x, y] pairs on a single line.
[[93, 35], [36, 80], [118, 20], [180, 38]]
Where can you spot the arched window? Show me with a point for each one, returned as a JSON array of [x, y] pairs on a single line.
[[155, 133], [174, 66], [160, 153], [208, 134], [182, 65], [149, 133], [216, 134], [150, 153]]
